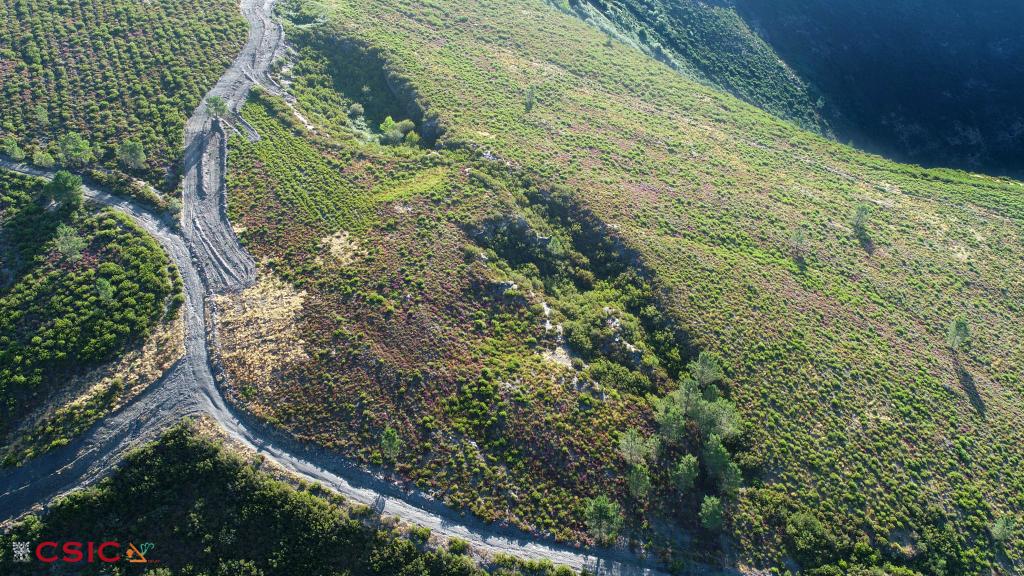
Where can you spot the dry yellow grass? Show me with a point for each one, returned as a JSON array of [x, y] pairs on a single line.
[[257, 330]]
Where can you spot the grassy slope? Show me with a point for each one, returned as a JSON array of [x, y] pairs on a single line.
[[55, 323], [111, 70], [856, 407], [208, 512]]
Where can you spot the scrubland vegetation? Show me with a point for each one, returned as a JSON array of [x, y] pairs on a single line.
[[392, 245], [109, 81], [583, 191], [209, 512], [541, 277], [78, 289]]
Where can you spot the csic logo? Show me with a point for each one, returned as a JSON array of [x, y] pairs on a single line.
[[74, 552]]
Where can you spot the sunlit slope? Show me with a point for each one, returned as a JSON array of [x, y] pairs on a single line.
[[843, 370]]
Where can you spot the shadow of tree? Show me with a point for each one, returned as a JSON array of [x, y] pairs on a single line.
[[866, 243], [969, 387]]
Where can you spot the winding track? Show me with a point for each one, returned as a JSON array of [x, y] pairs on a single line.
[[211, 260]]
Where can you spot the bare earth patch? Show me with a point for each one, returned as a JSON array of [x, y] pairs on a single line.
[[257, 332], [341, 247]]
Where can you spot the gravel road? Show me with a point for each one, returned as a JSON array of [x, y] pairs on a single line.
[[211, 260]]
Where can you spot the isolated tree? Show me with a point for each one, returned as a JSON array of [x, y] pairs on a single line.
[[393, 133], [390, 444], [861, 216], [712, 517], [217, 106], [131, 155], [531, 98], [42, 117], [68, 243], [412, 139], [64, 189], [798, 249], [639, 482], [684, 473], [957, 334], [356, 110], [75, 150], [604, 519], [808, 538], [637, 449], [705, 369]]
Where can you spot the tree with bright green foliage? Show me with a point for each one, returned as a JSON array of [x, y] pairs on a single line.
[[731, 480], [131, 155], [861, 216], [9, 147], [676, 409], [65, 189], [1003, 528], [797, 245], [705, 369], [393, 133], [105, 290], [390, 444], [604, 519], [531, 98], [808, 539], [957, 334], [43, 159], [75, 150], [217, 106], [684, 474], [638, 481], [68, 243], [712, 515], [173, 206], [723, 419], [637, 449], [715, 457], [41, 116]]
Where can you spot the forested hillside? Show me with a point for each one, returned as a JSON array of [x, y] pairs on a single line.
[[109, 81], [205, 510], [610, 220], [709, 42], [933, 83], [936, 83]]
